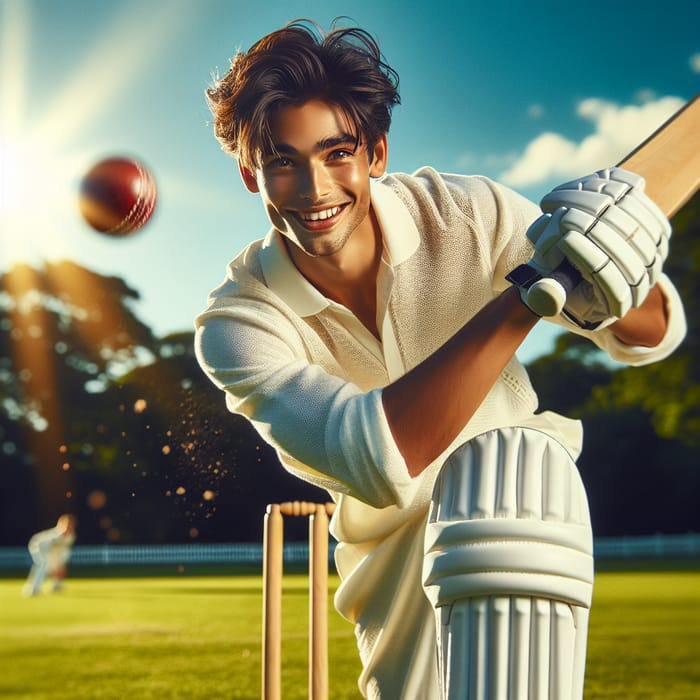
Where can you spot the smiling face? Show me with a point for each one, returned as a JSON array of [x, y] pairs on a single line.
[[315, 185]]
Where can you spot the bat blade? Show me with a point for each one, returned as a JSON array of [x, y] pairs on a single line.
[[669, 160]]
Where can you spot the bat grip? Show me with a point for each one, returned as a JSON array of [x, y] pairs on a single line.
[[547, 296]]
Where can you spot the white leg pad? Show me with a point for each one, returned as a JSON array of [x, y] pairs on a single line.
[[509, 569]]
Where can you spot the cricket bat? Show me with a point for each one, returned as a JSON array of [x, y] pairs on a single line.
[[669, 161]]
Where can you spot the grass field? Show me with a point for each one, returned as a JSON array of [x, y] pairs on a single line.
[[198, 637]]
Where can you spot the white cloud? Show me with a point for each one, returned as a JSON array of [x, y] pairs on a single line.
[[617, 130], [695, 63]]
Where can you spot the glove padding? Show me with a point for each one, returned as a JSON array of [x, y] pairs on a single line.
[[612, 233]]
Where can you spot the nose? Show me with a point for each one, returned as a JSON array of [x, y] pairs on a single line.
[[315, 182]]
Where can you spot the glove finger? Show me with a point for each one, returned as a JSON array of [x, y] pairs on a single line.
[[547, 256], [640, 291], [596, 267], [622, 254], [654, 270], [663, 248], [612, 188], [644, 246], [537, 227], [616, 174], [638, 184], [552, 232], [608, 175], [583, 253], [646, 219], [593, 203], [611, 282], [577, 220], [619, 290]]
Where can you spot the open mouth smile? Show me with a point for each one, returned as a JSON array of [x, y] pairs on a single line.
[[319, 215], [321, 218]]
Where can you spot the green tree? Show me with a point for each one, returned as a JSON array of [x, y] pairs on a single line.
[[65, 334]]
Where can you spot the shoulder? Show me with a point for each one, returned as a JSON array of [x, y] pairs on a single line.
[[243, 314], [243, 278], [428, 183], [472, 196]]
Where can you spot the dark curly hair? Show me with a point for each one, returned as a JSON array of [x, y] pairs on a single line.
[[293, 65]]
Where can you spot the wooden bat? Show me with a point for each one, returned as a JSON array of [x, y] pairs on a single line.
[[669, 161]]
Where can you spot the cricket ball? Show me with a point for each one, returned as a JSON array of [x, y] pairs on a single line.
[[117, 196]]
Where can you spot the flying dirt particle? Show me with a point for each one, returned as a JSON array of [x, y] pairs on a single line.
[[96, 499]]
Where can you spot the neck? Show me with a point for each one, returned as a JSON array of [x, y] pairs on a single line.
[[349, 276]]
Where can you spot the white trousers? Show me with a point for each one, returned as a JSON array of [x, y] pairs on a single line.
[[37, 573], [509, 569]]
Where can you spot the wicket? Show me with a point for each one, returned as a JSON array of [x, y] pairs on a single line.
[[273, 544]]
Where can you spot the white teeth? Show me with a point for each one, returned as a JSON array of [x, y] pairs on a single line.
[[320, 215]]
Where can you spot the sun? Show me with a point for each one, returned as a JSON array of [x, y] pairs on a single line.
[[37, 194]]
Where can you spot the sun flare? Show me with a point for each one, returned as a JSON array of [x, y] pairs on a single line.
[[37, 177], [42, 158]]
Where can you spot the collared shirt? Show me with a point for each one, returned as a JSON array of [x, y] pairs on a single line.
[[309, 376], [400, 241]]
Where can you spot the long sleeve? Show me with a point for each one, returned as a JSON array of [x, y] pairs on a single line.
[[326, 428]]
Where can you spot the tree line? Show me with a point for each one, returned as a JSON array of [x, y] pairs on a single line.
[[101, 418]]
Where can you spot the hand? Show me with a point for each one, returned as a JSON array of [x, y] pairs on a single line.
[[612, 233]]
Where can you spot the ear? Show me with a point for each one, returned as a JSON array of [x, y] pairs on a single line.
[[380, 154], [249, 179]]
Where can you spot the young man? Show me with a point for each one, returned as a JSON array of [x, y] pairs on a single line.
[[50, 551], [370, 338]]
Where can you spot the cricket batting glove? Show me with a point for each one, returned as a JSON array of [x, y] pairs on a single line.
[[611, 233]]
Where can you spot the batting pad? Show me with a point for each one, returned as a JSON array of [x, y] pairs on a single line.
[[509, 569]]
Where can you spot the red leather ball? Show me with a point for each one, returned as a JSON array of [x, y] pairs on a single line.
[[117, 196]]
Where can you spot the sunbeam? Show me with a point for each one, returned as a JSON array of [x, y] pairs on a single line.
[[108, 70], [43, 154]]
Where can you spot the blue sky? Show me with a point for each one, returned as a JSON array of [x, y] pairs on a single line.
[[530, 93]]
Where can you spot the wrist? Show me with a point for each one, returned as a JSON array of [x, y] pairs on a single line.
[[522, 278]]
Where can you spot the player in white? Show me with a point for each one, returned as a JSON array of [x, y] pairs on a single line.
[[370, 338], [50, 550]]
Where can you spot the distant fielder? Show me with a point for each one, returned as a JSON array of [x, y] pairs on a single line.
[[50, 550]]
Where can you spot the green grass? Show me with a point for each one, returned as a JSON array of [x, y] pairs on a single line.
[[644, 638], [198, 637], [156, 639]]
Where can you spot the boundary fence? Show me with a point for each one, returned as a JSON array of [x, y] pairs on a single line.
[[250, 554]]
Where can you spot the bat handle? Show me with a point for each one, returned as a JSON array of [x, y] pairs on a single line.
[[547, 296]]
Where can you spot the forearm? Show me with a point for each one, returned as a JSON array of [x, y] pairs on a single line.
[[646, 325], [428, 407]]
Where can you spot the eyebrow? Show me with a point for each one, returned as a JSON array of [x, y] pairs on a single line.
[[319, 146]]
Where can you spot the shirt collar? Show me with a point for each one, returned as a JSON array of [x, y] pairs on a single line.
[[399, 234]]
